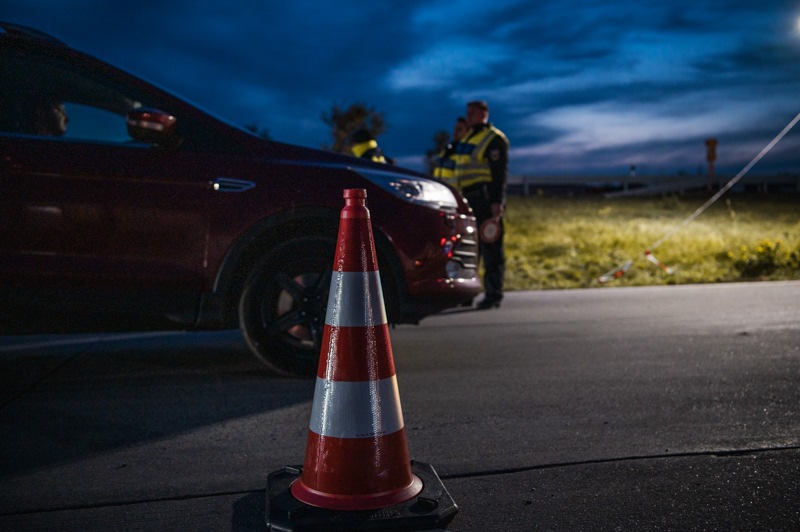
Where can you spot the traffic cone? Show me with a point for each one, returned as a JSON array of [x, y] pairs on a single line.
[[356, 459], [356, 454]]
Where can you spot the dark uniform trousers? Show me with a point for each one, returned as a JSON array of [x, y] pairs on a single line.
[[493, 255]]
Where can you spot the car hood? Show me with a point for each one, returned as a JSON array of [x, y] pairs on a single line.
[[293, 154]]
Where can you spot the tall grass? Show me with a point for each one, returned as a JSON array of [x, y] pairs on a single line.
[[555, 242]]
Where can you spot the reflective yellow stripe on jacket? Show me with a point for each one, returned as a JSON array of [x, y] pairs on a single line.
[[471, 165]]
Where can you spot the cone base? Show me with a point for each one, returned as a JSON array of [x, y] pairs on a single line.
[[312, 497], [433, 507]]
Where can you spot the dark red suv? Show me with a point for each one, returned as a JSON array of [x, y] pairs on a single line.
[[123, 207]]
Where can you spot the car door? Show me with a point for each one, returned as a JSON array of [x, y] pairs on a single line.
[[91, 215], [118, 215]]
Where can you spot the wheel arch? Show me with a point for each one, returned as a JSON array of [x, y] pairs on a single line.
[[283, 227]]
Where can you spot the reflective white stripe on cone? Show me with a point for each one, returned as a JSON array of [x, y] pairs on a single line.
[[356, 454]]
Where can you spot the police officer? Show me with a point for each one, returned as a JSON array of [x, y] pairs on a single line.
[[366, 147], [481, 172], [446, 162]]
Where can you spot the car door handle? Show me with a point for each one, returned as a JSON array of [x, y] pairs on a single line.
[[227, 184]]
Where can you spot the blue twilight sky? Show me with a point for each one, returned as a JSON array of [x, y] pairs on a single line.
[[580, 87]]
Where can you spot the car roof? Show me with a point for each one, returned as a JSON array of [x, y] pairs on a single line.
[[18, 31]]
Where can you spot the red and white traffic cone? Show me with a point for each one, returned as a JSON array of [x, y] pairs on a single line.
[[356, 458], [356, 454]]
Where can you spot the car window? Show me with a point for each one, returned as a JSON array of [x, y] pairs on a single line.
[[44, 96], [92, 123]]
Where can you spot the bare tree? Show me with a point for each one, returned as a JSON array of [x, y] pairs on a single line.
[[343, 122]]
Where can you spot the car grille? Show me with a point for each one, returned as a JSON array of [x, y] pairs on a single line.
[[466, 254]]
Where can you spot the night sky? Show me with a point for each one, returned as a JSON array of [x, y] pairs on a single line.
[[579, 87]]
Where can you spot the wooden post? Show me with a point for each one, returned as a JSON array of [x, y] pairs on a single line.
[[711, 156]]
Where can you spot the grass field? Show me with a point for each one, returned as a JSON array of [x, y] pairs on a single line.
[[557, 242]]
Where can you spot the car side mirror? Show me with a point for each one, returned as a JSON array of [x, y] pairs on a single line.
[[152, 126]]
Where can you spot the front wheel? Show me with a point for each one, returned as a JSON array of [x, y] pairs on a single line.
[[282, 307]]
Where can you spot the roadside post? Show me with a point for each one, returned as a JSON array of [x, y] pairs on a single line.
[[711, 156]]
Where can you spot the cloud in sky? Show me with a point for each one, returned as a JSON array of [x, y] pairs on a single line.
[[579, 87]]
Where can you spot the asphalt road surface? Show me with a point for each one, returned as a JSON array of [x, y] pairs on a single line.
[[668, 408]]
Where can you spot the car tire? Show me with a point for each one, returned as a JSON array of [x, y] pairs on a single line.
[[283, 305]]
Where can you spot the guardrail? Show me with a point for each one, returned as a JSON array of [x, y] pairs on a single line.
[[612, 187]]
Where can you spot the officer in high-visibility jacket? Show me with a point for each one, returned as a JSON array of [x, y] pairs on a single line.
[[481, 173], [365, 146], [446, 162]]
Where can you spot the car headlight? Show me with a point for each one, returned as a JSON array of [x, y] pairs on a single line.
[[413, 189]]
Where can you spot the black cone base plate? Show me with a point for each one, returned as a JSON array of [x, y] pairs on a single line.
[[432, 508]]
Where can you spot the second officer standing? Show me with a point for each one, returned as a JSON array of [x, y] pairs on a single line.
[[481, 172]]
